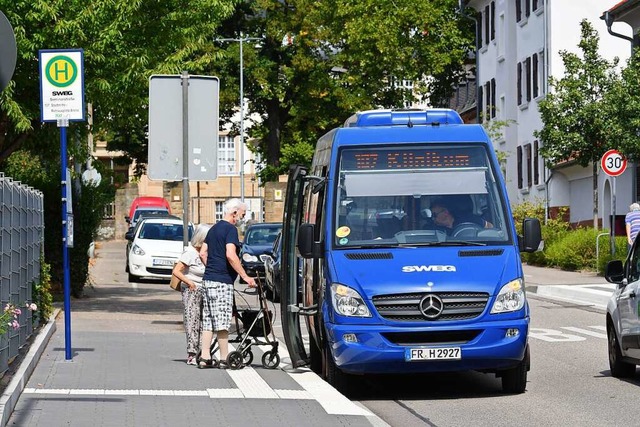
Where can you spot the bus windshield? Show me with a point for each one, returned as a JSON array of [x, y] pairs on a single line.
[[418, 195]]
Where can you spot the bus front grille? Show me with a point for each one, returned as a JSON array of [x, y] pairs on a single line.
[[445, 306]]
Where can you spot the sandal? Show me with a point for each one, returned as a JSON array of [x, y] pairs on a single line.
[[206, 364], [223, 365]]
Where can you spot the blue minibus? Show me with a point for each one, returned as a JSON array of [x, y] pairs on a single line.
[[400, 252]]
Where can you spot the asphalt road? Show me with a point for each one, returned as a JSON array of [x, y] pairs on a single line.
[[569, 383]]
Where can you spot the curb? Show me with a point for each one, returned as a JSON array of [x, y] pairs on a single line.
[[13, 391]]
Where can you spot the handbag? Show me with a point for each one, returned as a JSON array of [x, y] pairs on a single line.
[[175, 283]]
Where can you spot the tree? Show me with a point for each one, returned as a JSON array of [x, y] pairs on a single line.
[[319, 62], [574, 115], [623, 101], [124, 42]]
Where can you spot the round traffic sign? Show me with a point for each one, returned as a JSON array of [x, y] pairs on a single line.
[[613, 163]]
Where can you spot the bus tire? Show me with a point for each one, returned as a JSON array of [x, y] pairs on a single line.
[[514, 380], [315, 356], [334, 376]]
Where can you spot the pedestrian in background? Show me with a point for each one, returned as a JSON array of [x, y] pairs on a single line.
[[190, 270], [220, 254], [632, 221]]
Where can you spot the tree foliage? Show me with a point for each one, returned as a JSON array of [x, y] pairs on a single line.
[[319, 62], [124, 42], [623, 100], [574, 114]]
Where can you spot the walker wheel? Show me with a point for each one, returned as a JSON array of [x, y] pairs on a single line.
[[270, 360], [234, 360], [248, 357]]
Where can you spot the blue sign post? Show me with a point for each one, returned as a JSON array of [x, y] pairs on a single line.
[[62, 101]]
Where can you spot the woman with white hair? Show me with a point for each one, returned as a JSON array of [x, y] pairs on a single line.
[[632, 221], [190, 270]]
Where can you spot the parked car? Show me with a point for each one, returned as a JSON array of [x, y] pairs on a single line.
[[132, 230], [147, 201], [272, 270], [258, 240], [622, 314], [156, 244], [144, 211]]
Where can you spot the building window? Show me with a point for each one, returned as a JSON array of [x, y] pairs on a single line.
[[528, 71], [487, 25], [527, 162], [487, 112], [536, 78], [219, 213], [226, 155], [501, 35], [519, 82], [479, 29], [518, 10], [519, 157], [527, 8], [480, 103], [536, 164], [493, 20], [493, 98]]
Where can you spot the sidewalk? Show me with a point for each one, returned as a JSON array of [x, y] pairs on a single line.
[[569, 286], [128, 369]]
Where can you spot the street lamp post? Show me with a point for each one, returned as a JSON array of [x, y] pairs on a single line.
[[241, 40]]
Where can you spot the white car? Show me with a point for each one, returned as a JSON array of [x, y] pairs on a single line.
[[156, 245], [623, 315]]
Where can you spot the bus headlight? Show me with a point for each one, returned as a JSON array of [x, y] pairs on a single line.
[[348, 302], [510, 298]]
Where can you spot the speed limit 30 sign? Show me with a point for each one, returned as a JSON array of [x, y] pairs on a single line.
[[613, 163]]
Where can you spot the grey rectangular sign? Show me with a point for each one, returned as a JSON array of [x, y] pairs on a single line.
[[165, 128]]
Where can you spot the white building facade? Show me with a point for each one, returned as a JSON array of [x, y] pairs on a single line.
[[518, 49]]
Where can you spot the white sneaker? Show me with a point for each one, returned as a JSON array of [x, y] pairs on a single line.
[[191, 360]]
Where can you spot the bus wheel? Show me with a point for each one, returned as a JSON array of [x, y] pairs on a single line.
[[334, 375], [316, 357], [514, 380]]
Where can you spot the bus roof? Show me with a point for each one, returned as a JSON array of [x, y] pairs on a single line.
[[409, 117]]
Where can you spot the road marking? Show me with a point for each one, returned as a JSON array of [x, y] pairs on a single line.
[[585, 332], [213, 393], [251, 384]]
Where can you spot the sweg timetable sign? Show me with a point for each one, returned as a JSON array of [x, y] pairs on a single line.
[[61, 84]]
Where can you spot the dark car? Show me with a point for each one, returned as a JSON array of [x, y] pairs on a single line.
[[272, 270], [258, 241]]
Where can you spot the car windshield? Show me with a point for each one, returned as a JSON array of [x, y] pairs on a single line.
[[261, 236], [422, 195], [163, 231]]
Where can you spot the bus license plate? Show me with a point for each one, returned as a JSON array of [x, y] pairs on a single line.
[[433, 353], [162, 262]]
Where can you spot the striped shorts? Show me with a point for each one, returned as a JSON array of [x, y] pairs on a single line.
[[217, 305]]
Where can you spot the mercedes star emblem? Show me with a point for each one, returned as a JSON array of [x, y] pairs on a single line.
[[431, 306]]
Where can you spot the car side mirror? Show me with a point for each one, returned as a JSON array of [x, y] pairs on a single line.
[[126, 218], [129, 235], [614, 271]]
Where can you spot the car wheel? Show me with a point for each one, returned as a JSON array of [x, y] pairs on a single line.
[[619, 368], [132, 278], [514, 380]]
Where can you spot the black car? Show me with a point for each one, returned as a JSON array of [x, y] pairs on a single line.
[[272, 269], [258, 241]]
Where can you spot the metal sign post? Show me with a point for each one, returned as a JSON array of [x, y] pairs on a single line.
[[613, 164], [62, 101]]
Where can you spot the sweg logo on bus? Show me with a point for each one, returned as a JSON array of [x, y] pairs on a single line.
[[62, 93], [418, 268]]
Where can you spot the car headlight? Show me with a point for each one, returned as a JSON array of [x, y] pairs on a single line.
[[249, 258], [348, 302], [510, 298], [137, 250]]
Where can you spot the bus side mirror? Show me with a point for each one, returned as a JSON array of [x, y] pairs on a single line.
[[307, 246], [531, 235], [126, 218], [614, 272]]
